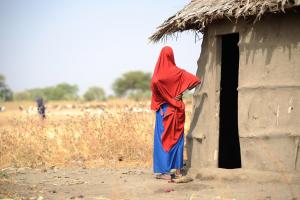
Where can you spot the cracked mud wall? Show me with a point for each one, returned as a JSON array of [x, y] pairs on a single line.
[[268, 100]]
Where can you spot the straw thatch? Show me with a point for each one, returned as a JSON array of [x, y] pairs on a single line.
[[199, 13]]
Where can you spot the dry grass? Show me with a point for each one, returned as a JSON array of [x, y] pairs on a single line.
[[113, 134]]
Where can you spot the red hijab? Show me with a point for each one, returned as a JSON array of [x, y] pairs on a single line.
[[169, 81]]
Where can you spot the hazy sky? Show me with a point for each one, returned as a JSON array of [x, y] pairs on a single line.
[[85, 42]]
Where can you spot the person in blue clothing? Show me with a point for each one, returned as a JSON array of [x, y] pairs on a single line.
[[41, 107], [167, 85]]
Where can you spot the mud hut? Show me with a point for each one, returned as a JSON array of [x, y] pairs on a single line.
[[246, 113]]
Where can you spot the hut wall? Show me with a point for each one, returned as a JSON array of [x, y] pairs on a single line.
[[268, 99]]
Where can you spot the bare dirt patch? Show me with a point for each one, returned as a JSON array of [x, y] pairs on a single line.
[[136, 183]]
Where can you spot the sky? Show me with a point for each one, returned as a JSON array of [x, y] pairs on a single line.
[[85, 42]]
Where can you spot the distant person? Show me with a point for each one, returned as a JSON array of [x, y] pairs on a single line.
[[41, 107], [167, 86]]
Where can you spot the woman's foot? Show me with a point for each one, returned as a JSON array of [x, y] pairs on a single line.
[[163, 176], [178, 174]]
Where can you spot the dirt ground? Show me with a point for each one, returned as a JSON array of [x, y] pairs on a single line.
[[105, 184]]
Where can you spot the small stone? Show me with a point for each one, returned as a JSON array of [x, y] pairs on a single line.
[[169, 190], [76, 182], [21, 170], [40, 198], [120, 158]]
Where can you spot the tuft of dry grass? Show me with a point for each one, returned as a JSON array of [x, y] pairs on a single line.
[[108, 135]]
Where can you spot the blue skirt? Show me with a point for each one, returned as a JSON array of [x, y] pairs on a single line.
[[164, 161]]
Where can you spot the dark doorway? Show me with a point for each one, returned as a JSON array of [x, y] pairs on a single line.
[[229, 145]]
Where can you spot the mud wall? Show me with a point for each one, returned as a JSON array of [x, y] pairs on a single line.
[[268, 100]]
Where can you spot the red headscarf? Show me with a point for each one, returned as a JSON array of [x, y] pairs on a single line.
[[169, 81]]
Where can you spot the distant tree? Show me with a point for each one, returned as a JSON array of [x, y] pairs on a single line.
[[5, 93], [62, 91], [2, 80], [134, 84], [21, 96], [94, 93], [34, 93], [139, 95]]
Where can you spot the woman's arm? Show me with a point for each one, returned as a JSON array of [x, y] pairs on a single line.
[[193, 86], [179, 97]]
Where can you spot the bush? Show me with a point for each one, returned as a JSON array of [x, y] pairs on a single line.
[[134, 84], [94, 93]]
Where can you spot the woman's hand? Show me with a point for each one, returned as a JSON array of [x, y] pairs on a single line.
[[179, 97]]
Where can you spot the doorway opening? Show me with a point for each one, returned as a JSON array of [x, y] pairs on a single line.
[[229, 145]]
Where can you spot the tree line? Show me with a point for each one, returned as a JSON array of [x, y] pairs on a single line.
[[133, 84]]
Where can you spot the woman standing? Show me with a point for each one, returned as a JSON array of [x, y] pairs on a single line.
[[167, 85]]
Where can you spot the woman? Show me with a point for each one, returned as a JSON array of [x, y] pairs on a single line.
[[167, 85]]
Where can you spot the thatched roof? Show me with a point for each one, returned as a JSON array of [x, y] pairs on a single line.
[[199, 13]]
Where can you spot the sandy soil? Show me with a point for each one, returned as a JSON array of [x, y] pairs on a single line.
[[104, 184]]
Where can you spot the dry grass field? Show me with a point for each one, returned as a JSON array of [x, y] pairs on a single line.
[[110, 134], [103, 150]]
